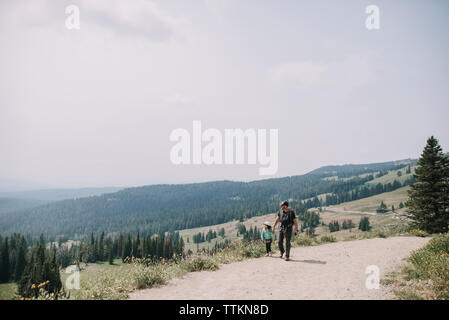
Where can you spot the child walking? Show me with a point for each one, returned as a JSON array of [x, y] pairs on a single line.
[[267, 237]]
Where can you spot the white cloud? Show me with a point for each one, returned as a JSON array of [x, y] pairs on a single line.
[[352, 71], [27, 12], [178, 98], [138, 17], [298, 73], [217, 5], [142, 18]]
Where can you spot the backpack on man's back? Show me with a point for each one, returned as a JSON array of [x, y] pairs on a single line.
[[285, 218]]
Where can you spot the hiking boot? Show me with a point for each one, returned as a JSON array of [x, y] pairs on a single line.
[[287, 259], [281, 256]]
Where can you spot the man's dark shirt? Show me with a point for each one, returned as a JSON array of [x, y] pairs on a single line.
[[292, 216]]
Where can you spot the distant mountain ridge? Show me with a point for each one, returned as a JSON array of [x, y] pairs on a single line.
[[369, 167], [58, 194], [167, 207], [21, 200]]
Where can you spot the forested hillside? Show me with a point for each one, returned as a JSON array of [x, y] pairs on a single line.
[[49, 195], [159, 208], [14, 204], [349, 170], [21, 200]]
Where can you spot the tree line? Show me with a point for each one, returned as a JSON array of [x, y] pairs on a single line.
[[201, 237], [364, 191]]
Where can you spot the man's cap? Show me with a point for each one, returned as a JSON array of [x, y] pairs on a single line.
[[284, 203]]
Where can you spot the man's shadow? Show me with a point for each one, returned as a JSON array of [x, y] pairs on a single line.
[[308, 261], [303, 261]]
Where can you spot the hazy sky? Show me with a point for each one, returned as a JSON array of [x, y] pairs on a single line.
[[96, 106]]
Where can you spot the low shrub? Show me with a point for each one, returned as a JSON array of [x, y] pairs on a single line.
[[200, 263], [148, 276], [418, 233], [327, 239], [439, 244], [253, 250], [432, 263], [304, 241], [380, 234]]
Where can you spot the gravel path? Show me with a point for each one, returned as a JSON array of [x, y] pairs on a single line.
[[330, 271]]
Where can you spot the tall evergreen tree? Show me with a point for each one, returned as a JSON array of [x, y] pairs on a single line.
[[127, 248], [111, 255], [101, 256], [4, 262], [21, 260], [42, 239], [25, 283], [428, 202]]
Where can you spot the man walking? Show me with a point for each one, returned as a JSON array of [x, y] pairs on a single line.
[[286, 218]]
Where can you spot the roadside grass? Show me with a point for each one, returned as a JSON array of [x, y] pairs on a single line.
[[407, 294], [116, 283], [328, 239], [426, 275], [92, 273], [7, 291]]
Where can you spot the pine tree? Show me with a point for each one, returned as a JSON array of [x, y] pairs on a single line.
[[347, 224], [92, 252], [181, 246], [4, 262], [24, 285], [53, 275], [21, 260], [127, 247], [382, 208], [95, 254], [42, 240], [334, 226], [101, 256], [364, 224], [428, 202], [111, 256]]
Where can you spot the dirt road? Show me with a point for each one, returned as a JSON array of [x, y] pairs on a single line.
[[343, 210], [330, 271]]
